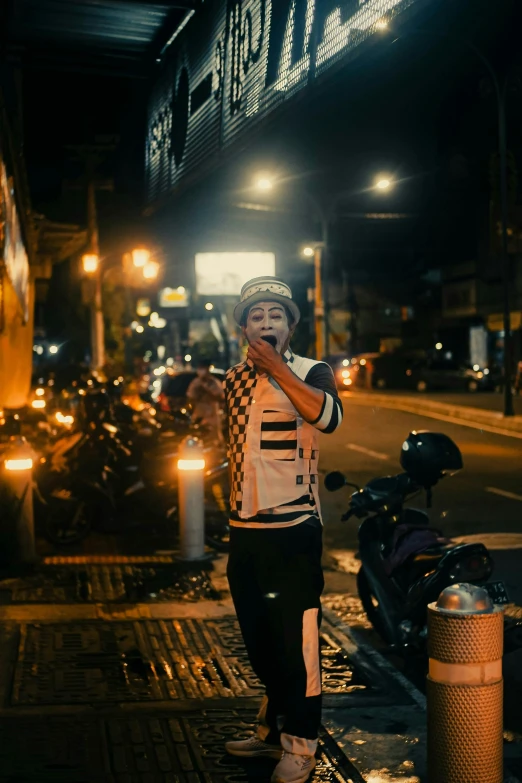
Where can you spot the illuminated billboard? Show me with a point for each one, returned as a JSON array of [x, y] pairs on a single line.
[[224, 274], [236, 61]]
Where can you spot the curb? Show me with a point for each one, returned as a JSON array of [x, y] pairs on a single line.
[[461, 414]]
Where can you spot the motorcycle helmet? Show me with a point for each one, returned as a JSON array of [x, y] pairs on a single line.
[[428, 456]]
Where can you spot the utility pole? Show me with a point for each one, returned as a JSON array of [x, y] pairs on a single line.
[[318, 303], [91, 155], [97, 325]]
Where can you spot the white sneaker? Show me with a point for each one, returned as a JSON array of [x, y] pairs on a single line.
[[293, 768], [253, 747]]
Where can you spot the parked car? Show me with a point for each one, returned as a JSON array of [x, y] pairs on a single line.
[[363, 371], [452, 376], [417, 372], [340, 364]]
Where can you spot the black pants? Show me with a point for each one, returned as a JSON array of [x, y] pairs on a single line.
[[276, 581]]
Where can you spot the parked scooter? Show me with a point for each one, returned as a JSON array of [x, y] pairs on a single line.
[[405, 562], [115, 469]]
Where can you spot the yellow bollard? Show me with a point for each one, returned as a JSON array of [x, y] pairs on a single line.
[[18, 474], [465, 687]]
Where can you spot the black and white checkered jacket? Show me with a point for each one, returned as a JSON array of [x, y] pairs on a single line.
[[273, 451]]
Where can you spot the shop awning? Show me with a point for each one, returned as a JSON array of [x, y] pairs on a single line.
[[496, 321]]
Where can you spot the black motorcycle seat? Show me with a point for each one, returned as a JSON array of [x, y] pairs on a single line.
[[422, 562]]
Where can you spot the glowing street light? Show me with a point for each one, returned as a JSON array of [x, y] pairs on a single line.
[[383, 183], [188, 357], [264, 183], [90, 263], [308, 252], [140, 329], [209, 306], [140, 257], [53, 349], [150, 270]]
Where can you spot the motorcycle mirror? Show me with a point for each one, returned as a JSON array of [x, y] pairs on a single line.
[[334, 481]]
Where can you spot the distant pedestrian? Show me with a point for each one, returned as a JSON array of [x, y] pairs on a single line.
[[205, 394], [277, 402], [518, 378]]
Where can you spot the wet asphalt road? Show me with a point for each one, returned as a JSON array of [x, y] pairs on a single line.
[[485, 497]]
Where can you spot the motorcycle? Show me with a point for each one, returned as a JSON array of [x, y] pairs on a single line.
[[115, 470], [405, 562]]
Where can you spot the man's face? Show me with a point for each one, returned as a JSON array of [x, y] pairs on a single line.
[[268, 319]]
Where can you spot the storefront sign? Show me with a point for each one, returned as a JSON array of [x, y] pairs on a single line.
[[496, 321], [173, 297], [238, 60], [13, 250]]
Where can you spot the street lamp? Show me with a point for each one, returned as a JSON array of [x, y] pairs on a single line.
[[264, 182], [150, 270], [90, 263], [383, 183], [209, 306], [319, 251], [140, 257]]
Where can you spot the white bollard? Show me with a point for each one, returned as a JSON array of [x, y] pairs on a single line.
[[465, 687], [191, 492], [18, 475]]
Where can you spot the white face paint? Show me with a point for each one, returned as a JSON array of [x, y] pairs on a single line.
[[268, 319]]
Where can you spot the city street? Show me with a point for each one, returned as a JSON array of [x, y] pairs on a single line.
[[232, 215], [485, 497], [483, 503]]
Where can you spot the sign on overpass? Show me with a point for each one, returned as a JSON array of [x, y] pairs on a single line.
[[235, 62]]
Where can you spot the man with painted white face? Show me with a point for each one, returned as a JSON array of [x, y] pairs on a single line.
[[277, 403]]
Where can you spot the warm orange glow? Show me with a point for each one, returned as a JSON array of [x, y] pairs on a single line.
[[90, 262], [191, 464], [140, 257], [150, 270], [19, 464]]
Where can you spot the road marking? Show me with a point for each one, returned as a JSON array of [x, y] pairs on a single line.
[[368, 452], [504, 493]]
